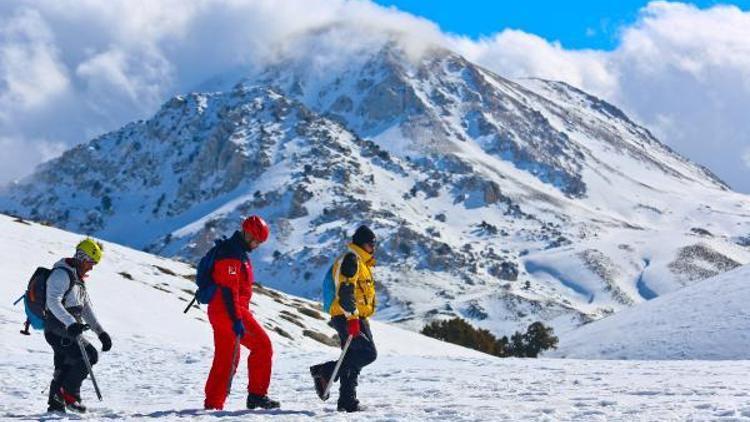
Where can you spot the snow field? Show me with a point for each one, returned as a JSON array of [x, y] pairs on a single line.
[[161, 357]]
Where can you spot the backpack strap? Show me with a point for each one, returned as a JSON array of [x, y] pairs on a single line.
[[72, 283]]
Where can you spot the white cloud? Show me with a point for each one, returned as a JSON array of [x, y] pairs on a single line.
[[116, 81], [30, 71], [69, 71], [691, 67], [515, 54], [19, 154]]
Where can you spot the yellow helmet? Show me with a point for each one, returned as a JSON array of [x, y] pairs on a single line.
[[91, 248]]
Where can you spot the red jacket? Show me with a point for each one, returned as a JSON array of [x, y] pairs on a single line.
[[233, 271]]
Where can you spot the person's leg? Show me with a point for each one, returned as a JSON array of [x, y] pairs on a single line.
[[361, 352], [259, 363], [369, 352], [76, 369], [221, 368], [55, 399], [322, 372], [324, 369]]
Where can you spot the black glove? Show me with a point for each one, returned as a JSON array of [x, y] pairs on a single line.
[[75, 329], [106, 341]]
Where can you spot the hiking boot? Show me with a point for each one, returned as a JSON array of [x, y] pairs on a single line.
[[263, 402], [72, 402], [55, 402], [321, 377], [57, 405], [350, 406]]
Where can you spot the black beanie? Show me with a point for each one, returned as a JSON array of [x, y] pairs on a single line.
[[363, 235]]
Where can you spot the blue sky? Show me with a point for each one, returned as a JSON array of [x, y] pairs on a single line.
[[575, 24]]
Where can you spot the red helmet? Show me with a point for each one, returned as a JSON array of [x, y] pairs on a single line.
[[257, 228]]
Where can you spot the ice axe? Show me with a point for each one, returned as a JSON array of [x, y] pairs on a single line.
[[190, 305], [26, 324], [337, 367], [235, 362], [85, 356]]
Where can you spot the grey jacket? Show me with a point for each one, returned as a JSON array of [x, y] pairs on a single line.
[[76, 306]]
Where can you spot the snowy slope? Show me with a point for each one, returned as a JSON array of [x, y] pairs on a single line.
[[708, 320], [160, 358], [498, 201]]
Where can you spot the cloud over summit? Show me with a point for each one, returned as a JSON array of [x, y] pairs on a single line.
[[70, 71]]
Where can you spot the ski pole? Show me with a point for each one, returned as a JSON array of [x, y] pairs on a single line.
[[336, 368], [235, 361], [189, 305], [85, 356], [19, 299]]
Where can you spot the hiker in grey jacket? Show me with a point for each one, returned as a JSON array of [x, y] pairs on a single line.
[[69, 313]]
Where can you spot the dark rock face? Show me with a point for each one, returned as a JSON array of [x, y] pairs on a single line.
[[505, 271], [699, 261]]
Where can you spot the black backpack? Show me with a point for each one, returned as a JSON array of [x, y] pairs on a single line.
[[35, 298], [203, 278]]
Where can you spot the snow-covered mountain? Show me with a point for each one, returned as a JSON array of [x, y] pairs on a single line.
[[502, 202], [161, 357], [708, 320]]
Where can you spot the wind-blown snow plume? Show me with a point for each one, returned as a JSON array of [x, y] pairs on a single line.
[[70, 73]]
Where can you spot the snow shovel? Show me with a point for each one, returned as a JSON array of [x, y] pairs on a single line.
[[85, 356], [337, 367]]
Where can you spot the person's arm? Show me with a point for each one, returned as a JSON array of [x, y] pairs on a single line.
[[58, 283], [93, 322], [226, 275], [347, 301], [90, 317]]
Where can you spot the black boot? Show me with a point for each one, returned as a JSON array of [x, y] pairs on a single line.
[[55, 402], [263, 402], [321, 377], [351, 406], [348, 392]]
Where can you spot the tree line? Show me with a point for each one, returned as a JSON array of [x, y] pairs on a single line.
[[536, 339]]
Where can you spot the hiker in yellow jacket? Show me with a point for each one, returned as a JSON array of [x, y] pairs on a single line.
[[350, 310]]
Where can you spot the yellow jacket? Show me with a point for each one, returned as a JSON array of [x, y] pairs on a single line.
[[355, 294]]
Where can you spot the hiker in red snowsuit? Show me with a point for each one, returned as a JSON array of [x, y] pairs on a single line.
[[234, 325]]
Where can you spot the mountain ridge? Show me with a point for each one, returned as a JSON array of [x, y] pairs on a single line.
[[497, 201]]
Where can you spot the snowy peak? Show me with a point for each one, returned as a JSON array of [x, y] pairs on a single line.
[[441, 101], [433, 104]]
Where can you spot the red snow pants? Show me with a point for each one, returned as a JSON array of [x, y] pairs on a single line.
[[258, 363]]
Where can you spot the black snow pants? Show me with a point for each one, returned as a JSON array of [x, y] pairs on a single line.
[[70, 369]]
